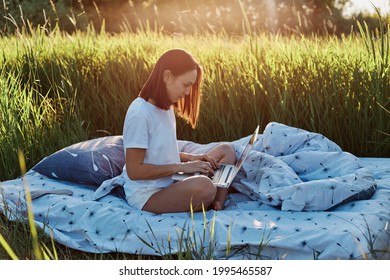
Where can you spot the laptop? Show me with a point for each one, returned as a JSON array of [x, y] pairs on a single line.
[[225, 175]]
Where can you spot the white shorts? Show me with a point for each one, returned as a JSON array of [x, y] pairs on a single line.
[[140, 197]]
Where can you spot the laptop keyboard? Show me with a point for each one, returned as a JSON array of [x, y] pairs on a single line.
[[218, 173]]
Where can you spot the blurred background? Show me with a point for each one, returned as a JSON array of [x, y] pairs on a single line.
[[232, 17]]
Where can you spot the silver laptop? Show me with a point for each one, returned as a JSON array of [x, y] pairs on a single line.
[[225, 175]]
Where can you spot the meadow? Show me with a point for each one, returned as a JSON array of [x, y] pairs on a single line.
[[60, 89], [57, 89]]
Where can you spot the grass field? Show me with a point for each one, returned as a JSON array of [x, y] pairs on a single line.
[[58, 89]]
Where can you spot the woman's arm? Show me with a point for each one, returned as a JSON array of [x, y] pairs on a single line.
[[186, 157], [138, 170]]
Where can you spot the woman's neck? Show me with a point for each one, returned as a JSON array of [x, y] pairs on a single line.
[[151, 101]]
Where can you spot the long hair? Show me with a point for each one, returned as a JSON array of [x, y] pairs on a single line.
[[178, 61]]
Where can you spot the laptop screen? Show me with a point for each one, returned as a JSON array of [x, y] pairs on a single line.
[[245, 152]]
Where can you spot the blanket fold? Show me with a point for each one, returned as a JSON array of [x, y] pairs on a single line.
[[298, 170]]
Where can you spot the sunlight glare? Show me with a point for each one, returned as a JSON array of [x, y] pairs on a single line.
[[271, 12], [257, 224]]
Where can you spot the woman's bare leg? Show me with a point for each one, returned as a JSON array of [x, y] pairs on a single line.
[[223, 153], [196, 192]]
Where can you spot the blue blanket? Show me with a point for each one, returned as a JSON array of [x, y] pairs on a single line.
[[293, 169], [300, 197]]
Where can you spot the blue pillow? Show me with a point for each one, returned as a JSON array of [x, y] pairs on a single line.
[[89, 162]]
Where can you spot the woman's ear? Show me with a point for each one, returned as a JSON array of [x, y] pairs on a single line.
[[167, 75]]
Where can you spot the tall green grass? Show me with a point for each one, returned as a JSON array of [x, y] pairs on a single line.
[[57, 89]]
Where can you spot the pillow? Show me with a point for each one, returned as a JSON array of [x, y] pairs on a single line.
[[89, 162]]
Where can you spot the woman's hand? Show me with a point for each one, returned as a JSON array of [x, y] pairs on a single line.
[[195, 166], [203, 157], [202, 163]]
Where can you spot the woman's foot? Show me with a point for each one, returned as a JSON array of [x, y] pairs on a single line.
[[217, 206], [219, 200]]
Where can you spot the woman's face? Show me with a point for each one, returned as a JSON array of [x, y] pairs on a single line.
[[179, 86]]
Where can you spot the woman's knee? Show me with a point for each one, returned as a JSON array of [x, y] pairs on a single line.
[[228, 152], [204, 189]]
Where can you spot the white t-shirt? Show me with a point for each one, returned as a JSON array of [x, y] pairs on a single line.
[[149, 127]]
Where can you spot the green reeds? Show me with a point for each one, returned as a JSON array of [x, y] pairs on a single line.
[[7, 248], [191, 243], [39, 251], [59, 89]]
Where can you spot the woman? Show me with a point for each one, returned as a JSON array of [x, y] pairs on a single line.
[[150, 143]]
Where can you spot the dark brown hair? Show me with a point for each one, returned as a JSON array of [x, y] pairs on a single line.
[[177, 61]]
